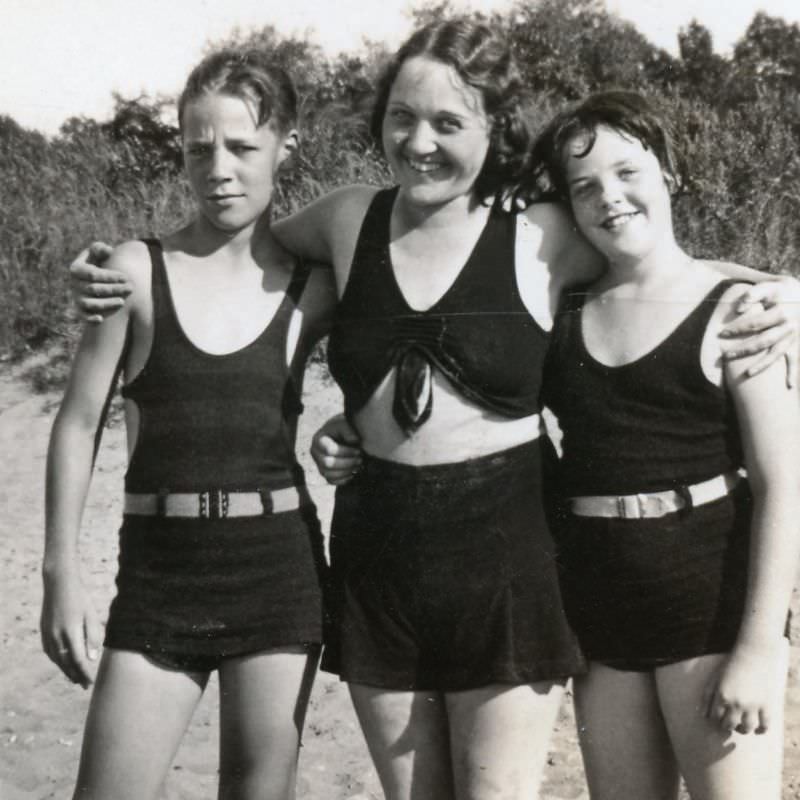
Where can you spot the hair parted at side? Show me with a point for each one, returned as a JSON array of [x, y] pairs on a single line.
[[627, 112], [251, 75], [481, 57]]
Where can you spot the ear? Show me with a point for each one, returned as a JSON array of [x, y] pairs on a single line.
[[671, 181], [291, 141]]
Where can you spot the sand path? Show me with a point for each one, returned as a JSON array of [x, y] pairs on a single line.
[[41, 714]]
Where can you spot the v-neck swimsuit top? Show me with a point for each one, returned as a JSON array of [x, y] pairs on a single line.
[[655, 423], [209, 421], [479, 334]]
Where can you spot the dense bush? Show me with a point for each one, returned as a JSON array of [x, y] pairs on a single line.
[[740, 116]]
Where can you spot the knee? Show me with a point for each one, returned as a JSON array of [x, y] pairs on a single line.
[[257, 781]]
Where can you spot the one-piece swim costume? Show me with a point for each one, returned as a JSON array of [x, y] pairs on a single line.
[[641, 593], [194, 591], [443, 576]]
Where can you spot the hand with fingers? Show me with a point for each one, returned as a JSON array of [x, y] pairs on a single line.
[[70, 630], [744, 693], [97, 291], [336, 450], [769, 324]]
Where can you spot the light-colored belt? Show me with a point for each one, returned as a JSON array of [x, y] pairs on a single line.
[[654, 504], [216, 504]]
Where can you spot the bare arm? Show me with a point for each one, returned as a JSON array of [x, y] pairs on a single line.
[[744, 695], [69, 626], [768, 322]]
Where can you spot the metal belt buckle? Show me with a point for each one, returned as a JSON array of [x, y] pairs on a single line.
[[267, 504], [630, 506], [213, 504]]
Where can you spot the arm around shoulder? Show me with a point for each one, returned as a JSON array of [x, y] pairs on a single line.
[[313, 231], [552, 229]]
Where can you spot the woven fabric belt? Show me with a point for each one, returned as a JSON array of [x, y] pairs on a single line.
[[654, 504], [216, 504]]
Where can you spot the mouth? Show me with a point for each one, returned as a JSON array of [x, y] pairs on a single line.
[[424, 167], [221, 198], [618, 220]]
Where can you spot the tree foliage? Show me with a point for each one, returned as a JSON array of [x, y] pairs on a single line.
[[739, 116]]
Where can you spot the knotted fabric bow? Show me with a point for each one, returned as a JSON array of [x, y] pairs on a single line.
[[413, 390]]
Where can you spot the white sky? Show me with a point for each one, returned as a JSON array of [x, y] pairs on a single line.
[[60, 58]]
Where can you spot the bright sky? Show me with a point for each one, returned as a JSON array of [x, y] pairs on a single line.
[[60, 58]]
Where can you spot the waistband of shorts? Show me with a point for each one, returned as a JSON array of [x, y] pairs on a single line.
[[481, 466]]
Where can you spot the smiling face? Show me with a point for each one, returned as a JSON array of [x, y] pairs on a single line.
[[618, 194], [230, 160], [435, 133]]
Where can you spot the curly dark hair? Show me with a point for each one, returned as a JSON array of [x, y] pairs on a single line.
[[629, 113], [251, 75], [483, 60]]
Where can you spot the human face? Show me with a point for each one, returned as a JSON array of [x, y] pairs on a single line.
[[435, 132], [230, 160], [619, 195]]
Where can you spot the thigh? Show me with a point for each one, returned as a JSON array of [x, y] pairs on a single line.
[[499, 738], [624, 742], [715, 764], [263, 701], [407, 737], [138, 714]]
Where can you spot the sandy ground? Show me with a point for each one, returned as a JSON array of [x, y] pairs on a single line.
[[41, 714]]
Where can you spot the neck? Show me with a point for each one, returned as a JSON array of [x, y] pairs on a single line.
[[665, 262], [242, 242], [445, 215]]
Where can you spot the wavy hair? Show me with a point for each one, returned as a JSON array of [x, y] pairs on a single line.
[[482, 59]]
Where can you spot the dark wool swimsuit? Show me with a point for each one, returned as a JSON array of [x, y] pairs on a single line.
[[444, 576], [191, 592], [646, 592]]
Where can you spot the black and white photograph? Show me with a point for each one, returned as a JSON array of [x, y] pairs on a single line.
[[400, 400]]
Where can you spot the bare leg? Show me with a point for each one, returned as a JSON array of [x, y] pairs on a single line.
[[626, 749], [499, 739], [407, 737], [137, 717], [263, 701], [717, 765]]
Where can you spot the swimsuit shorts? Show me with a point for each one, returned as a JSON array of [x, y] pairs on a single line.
[[645, 593], [443, 577], [191, 592]]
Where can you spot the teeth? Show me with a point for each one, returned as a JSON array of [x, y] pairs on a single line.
[[618, 221], [423, 166]]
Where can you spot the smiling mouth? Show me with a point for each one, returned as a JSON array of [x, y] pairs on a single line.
[[424, 167], [617, 221]]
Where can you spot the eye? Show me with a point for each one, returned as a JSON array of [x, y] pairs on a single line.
[[197, 150], [449, 125], [241, 149], [399, 116], [627, 172], [581, 190]]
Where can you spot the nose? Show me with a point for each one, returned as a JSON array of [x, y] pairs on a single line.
[[610, 193], [218, 167], [421, 138]]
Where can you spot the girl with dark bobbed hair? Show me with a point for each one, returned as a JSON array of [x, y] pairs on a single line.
[[445, 609], [677, 570]]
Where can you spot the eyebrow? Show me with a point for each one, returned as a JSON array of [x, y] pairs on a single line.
[[438, 111], [621, 163]]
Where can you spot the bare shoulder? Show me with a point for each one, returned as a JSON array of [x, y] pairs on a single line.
[[551, 227], [713, 348], [132, 259]]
